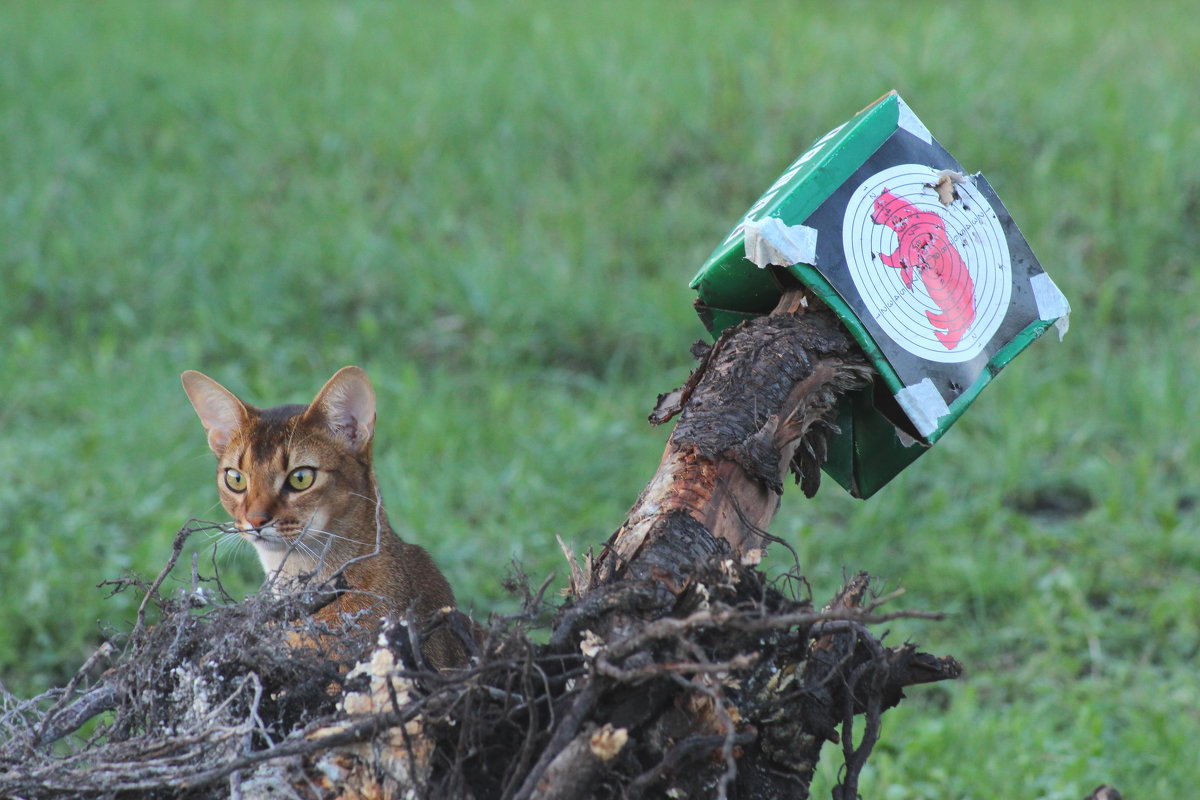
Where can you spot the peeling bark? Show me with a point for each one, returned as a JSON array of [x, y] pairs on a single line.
[[763, 394]]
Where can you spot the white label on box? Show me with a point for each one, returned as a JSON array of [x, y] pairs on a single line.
[[769, 241], [1051, 303], [924, 405], [909, 122]]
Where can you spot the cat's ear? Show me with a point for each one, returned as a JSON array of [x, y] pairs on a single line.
[[346, 404], [220, 412]]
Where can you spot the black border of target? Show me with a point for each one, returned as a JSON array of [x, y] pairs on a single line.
[[950, 379]]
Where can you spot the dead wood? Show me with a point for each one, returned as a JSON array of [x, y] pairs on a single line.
[[762, 400], [673, 669]]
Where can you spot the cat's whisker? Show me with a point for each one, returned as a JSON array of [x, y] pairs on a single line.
[[303, 547], [207, 528], [222, 535], [317, 561], [232, 541], [329, 534], [375, 501], [225, 542], [298, 546], [218, 532]]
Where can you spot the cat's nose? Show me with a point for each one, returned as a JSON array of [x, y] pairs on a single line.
[[257, 520]]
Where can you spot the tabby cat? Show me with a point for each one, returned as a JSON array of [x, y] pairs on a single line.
[[299, 484]]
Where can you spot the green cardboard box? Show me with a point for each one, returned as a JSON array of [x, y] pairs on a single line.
[[921, 262]]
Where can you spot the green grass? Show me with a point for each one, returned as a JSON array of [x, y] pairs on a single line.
[[496, 208]]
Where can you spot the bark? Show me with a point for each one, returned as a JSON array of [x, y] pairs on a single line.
[[766, 390]]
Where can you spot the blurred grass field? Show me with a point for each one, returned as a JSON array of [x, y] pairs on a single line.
[[495, 208]]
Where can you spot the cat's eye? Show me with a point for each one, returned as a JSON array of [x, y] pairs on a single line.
[[235, 480], [300, 479]]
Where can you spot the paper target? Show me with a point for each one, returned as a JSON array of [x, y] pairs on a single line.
[[937, 279]]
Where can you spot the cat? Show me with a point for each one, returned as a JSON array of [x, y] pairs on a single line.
[[299, 484]]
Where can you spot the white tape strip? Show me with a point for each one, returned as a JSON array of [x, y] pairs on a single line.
[[924, 405], [1051, 303], [908, 120], [769, 241]]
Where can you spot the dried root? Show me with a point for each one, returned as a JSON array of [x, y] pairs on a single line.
[[731, 682]]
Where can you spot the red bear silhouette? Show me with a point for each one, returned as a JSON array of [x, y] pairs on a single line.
[[925, 248]]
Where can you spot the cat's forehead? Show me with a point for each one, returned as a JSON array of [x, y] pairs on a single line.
[[273, 437], [271, 430]]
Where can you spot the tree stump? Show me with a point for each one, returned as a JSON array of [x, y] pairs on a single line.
[[724, 686]]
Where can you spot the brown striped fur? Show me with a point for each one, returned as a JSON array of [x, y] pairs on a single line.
[[337, 522]]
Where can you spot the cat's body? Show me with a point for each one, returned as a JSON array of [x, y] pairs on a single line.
[[299, 484]]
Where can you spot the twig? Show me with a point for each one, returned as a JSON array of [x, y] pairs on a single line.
[[97, 701], [181, 536], [104, 651], [855, 758], [673, 668], [673, 627], [563, 734], [729, 730], [682, 751]]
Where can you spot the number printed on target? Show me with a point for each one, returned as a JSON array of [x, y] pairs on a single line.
[[937, 279]]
